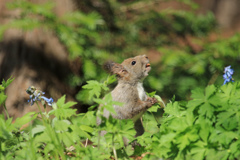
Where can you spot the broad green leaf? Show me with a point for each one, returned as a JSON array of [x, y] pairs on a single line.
[[185, 140], [179, 124], [25, 119], [205, 131], [6, 128], [68, 105], [209, 91], [94, 88], [110, 108], [62, 109], [90, 70], [225, 116], [66, 138], [151, 126], [61, 101], [197, 94], [206, 110], [48, 148], [223, 137], [190, 117], [61, 125], [214, 154], [198, 153], [129, 150], [168, 138], [37, 129], [234, 147], [173, 109], [86, 128], [78, 132], [62, 113], [154, 108]]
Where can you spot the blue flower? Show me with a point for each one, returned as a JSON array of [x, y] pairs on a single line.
[[228, 72], [48, 100], [37, 95]]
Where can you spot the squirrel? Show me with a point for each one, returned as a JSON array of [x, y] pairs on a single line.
[[129, 90]]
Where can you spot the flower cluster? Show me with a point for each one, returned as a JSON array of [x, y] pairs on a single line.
[[228, 72], [37, 95]]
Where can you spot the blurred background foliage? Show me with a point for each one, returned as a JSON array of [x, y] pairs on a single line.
[[185, 48]]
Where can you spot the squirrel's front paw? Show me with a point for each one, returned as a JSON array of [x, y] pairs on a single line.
[[152, 100]]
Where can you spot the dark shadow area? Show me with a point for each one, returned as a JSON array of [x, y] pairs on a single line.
[[18, 53], [31, 65]]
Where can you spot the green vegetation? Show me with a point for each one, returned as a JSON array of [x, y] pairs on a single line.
[[205, 127], [198, 123]]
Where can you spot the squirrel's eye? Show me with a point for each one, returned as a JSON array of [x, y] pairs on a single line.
[[133, 62]]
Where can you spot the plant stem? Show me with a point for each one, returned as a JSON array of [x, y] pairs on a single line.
[[5, 109], [40, 112], [114, 149], [98, 140], [86, 143]]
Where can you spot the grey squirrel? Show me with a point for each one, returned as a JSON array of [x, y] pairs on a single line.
[[129, 90]]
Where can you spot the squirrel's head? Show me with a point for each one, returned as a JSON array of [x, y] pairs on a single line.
[[131, 69], [138, 66]]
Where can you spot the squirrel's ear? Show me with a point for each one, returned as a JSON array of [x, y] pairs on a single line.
[[115, 68]]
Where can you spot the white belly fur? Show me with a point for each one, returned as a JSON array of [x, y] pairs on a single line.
[[142, 96], [141, 92]]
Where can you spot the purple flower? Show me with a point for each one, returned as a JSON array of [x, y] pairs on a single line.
[[37, 95], [228, 72]]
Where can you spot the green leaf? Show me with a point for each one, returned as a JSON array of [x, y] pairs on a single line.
[[174, 124], [198, 153], [1, 88], [94, 88], [173, 109], [3, 98], [62, 113], [185, 140], [62, 109], [227, 118], [89, 68], [37, 129], [68, 105], [78, 132], [206, 110], [25, 119], [190, 119], [205, 131], [7, 83], [154, 108], [129, 150], [223, 137], [234, 148], [167, 138], [213, 154], [209, 91], [61, 101], [86, 128], [60, 125]]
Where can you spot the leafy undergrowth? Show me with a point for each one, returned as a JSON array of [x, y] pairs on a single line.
[[206, 127]]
